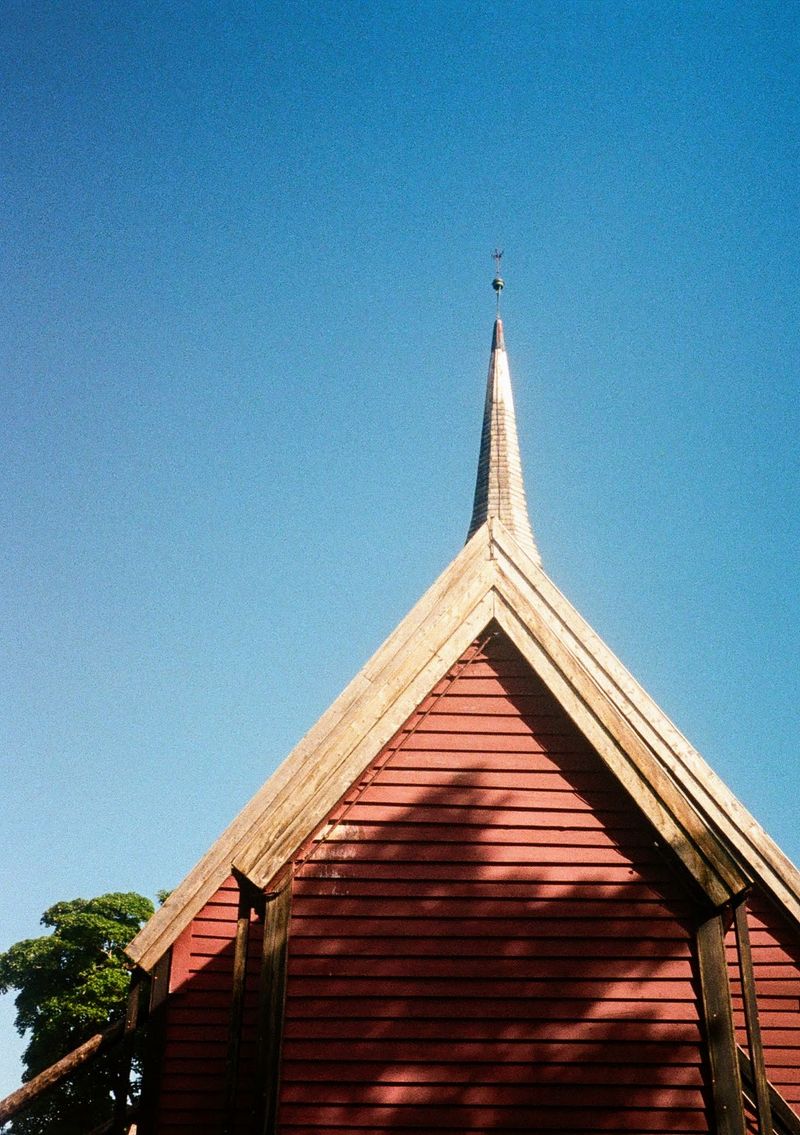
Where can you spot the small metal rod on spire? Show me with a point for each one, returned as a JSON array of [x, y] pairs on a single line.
[[497, 283]]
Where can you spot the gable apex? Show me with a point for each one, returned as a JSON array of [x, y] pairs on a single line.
[[493, 578]]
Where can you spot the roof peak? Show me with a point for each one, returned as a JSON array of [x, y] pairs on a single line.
[[499, 486]]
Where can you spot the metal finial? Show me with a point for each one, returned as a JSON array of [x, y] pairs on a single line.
[[497, 283]]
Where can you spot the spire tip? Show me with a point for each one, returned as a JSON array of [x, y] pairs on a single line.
[[498, 283]]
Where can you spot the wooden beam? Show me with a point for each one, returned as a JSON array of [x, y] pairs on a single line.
[[785, 1120], [271, 1004], [119, 1123], [703, 786], [100, 1042], [751, 1020], [155, 1038], [238, 983], [618, 745], [726, 1083]]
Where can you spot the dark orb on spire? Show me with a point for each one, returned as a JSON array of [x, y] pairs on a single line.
[[498, 284]]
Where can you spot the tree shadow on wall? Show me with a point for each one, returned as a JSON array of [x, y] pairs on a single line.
[[484, 938]]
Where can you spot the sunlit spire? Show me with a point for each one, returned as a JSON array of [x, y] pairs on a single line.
[[499, 488]]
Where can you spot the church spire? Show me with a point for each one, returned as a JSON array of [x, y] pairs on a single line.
[[499, 488]]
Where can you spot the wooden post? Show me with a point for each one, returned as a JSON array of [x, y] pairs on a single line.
[[155, 1037], [237, 1004], [752, 1023], [125, 1054], [726, 1082], [272, 998]]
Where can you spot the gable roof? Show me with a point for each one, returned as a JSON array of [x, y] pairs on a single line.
[[497, 577]]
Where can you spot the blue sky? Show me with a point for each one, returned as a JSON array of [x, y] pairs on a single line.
[[244, 329]]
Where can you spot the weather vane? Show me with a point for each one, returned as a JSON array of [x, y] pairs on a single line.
[[497, 283]]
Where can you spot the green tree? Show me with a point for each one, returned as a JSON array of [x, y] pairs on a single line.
[[72, 983]]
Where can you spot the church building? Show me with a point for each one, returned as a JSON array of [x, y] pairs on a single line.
[[492, 890]]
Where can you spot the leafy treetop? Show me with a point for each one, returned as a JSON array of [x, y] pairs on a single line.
[[71, 984]]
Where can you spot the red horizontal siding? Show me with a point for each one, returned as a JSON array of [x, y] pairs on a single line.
[[485, 938], [192, 1087]]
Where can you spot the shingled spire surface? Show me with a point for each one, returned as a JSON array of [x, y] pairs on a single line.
[[499, 488]]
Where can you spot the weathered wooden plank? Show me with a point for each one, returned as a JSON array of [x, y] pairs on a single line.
[[414, 645], [723, 1059], [319, 787], [18, 1100], [155, 1037], [752, 1023], [784, 1117], [237, 990], [271, 1005], [706, 790], [707, 861], [119, 1122]]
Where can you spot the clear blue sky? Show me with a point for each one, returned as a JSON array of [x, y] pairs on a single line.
[[244, 326]]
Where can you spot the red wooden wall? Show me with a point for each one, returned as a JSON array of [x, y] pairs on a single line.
[[484, 937], [192, 1088], [487, 939]]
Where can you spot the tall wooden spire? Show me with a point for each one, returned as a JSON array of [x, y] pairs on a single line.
[[499, 488]]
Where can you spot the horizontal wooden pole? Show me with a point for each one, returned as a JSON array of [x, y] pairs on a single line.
[[60, 1070]]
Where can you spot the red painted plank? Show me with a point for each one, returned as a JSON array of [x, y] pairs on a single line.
[[301, 1071], [489, 928], [583, 948], [502, 1095], [458, 1029], [579, 1057], [416, 755], [514, 969], [338, 909], [552, 779], [497, 1118], [545, 875], [536, 1012], [597, 891], [467, 852]]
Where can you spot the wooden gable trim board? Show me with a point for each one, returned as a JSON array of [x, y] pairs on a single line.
[[450, 601], [322, 788], [669, 814], [709, 795]]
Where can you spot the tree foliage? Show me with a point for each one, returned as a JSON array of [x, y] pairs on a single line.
[[71, 984]]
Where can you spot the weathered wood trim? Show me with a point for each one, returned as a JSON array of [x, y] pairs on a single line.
[[125, 1055], [446, 602], [618, 745], [709, 794], [238, 984], [272, 1000], [751, 1019], [321, 783], [784, 1118], [155, 1039], [726, 1083]]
